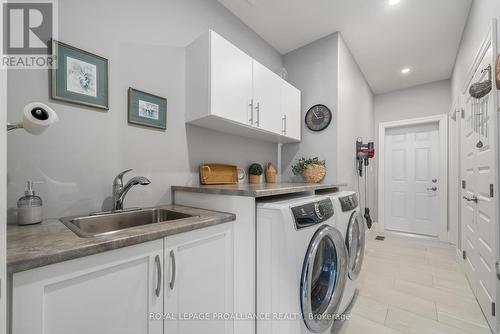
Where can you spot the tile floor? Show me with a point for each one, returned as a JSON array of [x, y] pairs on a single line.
[[413, 286]]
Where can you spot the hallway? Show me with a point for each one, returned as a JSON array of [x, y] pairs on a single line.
[[413, 286]]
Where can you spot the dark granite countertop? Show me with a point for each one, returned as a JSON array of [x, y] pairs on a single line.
[[257, 190], [51, 242]]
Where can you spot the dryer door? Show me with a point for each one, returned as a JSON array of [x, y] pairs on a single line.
[[324, 275], [355, 242]]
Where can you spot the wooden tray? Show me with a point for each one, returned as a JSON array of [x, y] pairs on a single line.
[[219, 174]]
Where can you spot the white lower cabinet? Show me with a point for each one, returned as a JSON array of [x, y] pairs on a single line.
[[131, 291], [199, 293], [107, 293]]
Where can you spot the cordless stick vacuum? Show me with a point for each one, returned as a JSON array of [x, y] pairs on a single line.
[[364, 152]]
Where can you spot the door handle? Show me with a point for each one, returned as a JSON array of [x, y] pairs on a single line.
[[174, 269], [284, 124], [158, 269], [432, 189], [469, 199]]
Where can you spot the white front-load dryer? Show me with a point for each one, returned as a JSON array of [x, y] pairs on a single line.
[[351, 224], [302, 266]]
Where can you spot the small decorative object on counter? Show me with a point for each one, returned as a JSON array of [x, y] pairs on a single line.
[[270, 173], [312, 170], [29, 207], [254, 172]]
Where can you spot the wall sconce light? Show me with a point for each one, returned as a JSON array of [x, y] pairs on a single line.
[[37, 117]]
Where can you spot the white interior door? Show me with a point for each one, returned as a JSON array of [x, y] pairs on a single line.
[[479, 206], [411, 179]]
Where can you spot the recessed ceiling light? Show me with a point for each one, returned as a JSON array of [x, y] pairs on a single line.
[[394, 2], [406, 70]]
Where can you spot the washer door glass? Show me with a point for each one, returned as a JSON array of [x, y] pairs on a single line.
[[324, 275], [355, 242]]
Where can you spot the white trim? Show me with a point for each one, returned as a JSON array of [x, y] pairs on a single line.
[[3, 199], [3, 193], [442, 120]]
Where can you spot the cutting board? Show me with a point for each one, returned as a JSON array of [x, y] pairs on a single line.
[[220, 174]]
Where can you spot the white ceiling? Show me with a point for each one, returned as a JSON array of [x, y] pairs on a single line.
[[423, 35]]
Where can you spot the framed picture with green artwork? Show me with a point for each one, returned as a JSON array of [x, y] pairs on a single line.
[[147, 109], [80, 77]]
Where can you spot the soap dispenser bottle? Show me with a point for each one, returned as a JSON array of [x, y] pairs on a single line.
[[29, 207]]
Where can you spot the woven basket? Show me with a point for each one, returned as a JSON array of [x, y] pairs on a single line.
[[314, 173]]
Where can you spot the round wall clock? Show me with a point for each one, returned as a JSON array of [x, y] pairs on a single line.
[[318, 117]]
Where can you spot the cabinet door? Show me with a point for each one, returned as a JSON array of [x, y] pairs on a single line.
[[231, 81], [290, 110], [199, 281], [112, 292], [266, 99]]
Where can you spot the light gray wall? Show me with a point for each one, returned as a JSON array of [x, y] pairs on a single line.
[[478, 24], [420, 101], [326, 73], [144, 41], [355, 119], [313, 69]]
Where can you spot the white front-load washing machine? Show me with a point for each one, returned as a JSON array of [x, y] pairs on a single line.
[[351, 224], [302, 265]]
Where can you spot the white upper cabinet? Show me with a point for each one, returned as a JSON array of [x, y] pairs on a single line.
[[228, 91], [231, 81], [266, 98], [290, 111]]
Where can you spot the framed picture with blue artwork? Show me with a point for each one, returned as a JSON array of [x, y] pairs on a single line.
[[79, 76], [147, 109]]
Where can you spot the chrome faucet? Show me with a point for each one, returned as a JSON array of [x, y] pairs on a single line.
[[120, 190]]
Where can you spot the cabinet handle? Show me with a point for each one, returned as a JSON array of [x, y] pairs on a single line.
[[284, 124], [250, 119], [174, 269], [257, 122], [158, 269]]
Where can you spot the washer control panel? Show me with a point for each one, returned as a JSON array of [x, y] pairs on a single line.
[[348, 203], [312, 213]]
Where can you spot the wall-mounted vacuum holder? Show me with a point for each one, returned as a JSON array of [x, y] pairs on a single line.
[[364, 152], [37, 117]]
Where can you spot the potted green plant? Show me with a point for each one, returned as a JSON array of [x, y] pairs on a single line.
[[312, 170], [254, 172]]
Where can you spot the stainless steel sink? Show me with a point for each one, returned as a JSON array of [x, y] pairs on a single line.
[[107, 223]]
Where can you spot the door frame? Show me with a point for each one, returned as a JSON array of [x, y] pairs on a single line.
[[3, 197], [442, 121]]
